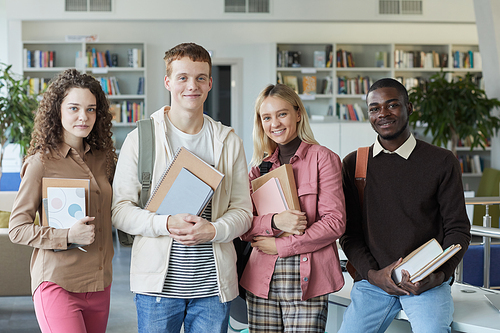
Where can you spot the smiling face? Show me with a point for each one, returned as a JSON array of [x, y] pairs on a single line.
[[389, 115], [78, 115], [279, 120], [189, 84]]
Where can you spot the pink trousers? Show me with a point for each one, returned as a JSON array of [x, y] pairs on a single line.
[[61, 311]]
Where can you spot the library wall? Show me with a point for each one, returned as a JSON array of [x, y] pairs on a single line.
[[282, 10], [250, 41]]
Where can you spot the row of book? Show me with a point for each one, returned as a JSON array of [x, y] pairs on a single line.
[[345, 58], [95, 59], [350, 112], [468, 59], [37, 85], [39, 59], [471, 163], [288, 58], [111, 87], [321, 59], [127, 111], [420, 59], [308, 84], [109, 84], [467, 142], [356, 85], [412, 82]]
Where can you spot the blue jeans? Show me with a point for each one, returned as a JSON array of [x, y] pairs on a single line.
[[372, 309], [166, 315]]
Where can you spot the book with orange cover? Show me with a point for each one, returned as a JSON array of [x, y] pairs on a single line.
[[183, 159], [63, 183], [287, 181], [309, 85]]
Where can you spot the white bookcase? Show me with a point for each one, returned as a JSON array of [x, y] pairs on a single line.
[[127, 76], [344, 136]]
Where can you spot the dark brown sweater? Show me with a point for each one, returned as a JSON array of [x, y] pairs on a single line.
[[406, 203]]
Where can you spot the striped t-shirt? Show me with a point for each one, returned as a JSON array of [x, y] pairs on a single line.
[[191, 269]]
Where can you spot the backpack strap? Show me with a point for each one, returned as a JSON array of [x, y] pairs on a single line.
[[146, 158], [264, 167], [360, 173], [360, 181]]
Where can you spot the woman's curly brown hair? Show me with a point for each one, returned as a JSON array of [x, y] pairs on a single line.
[[48, 130]]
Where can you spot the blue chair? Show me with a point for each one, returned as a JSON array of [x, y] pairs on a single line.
[[473, 265]]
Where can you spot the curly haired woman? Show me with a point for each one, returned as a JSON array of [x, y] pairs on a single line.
[[71, 139]]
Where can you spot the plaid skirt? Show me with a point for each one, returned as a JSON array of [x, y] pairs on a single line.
[[284, 311]]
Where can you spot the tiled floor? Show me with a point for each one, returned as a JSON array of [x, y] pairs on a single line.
[[18, 316]]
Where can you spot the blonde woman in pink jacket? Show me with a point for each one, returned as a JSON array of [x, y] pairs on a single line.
[[288, 279]]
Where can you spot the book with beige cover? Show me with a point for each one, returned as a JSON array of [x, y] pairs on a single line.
[[287, 181], [195, 165], [424, 260], [285, 184]]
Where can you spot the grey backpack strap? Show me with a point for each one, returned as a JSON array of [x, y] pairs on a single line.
[[146, 157], [145, 165]]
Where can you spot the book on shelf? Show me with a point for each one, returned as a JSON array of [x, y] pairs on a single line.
[[327, 87], [309, 85], [279, 78], [424, 260], [319, 59], [66, 200], [183, 159], [286, 58], [292, 82], [345, 58], [329, 55], [350, 112], [472, 164], [140, 86], [38, 58], [132, 111]]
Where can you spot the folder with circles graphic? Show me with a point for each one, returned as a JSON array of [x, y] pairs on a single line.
[[66, 201]]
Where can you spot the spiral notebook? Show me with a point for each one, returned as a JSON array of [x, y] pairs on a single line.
[[192, 163]]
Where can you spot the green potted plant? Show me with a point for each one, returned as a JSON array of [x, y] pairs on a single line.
[[17, 110], [454, 109]]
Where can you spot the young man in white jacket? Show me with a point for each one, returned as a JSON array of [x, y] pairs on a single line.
[[183, 267]]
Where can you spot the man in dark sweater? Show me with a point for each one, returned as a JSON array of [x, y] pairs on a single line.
[[413, 193]]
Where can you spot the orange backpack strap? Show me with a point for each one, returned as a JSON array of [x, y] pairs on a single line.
[[360, 173], [360, 181]]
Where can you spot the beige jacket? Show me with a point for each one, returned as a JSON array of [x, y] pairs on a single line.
[[231, 209]]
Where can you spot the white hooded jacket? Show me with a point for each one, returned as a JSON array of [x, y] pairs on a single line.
[[231, 209]]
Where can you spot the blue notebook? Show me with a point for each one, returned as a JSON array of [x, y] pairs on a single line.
[[188, 194]]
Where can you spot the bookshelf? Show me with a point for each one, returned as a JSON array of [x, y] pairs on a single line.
[[119, 66], [356, 66]]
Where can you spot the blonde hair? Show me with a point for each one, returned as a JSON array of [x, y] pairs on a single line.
[[262, 145]]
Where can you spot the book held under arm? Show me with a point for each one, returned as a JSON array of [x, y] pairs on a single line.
[[276, 192], [287, 181], [424, 260]]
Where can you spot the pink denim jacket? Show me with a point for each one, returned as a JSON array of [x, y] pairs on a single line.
[[317, 172]]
